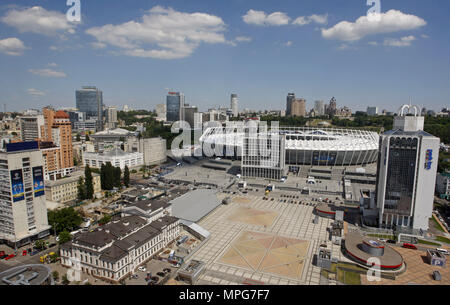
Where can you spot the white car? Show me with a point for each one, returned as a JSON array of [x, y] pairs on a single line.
[[143, 269], [443, 251]]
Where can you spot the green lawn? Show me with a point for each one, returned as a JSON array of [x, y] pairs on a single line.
[[437, 225], [426, 242], [443, 239], [349, 278]]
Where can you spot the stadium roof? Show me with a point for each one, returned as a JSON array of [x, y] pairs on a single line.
[[195, 205]]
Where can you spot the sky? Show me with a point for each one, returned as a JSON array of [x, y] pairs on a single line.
[[136, 51]]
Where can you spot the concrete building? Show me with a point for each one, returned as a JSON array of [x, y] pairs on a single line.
[[443, 184], [406, 175], [298, 107], [331, 108], [372, 111], [290, 98], [65, 190], [85, 126], [153, 149], [174, 107], [111, 118], [90, 101], [116, 156], [23, 213], [31, 128], [235, 105], [116, 250], [111, 138], [161, 110], [319, 108], [189, 114]]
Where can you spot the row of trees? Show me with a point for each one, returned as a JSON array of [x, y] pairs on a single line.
[[86, 185], [110, 176], [63, 222]]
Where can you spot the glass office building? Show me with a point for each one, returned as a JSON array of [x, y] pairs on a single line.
[[90, 101], [175, 107]]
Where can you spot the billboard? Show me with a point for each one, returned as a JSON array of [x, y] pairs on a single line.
[[38, 181], [17, 185]]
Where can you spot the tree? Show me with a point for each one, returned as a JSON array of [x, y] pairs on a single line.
[[81, 189], [87, 137], [126, 177], [89, 184], [65, 280], [117, 175], [64, 220], [78, 137], [64, 237], [55, 275], [39, 244], [103, 176], [104, 220]]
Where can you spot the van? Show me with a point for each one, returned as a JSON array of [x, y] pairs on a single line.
[[443, 251]]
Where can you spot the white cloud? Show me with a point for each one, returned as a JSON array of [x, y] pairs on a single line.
[[389, 22], [162, 33], [38, 20], [98, 45], [243, 39], [373, 43], [48, 73], [35, 92], [52, 64], [12, 46], [402, 42], [424, 36], [304, 20], [261, 18], [288, 44]]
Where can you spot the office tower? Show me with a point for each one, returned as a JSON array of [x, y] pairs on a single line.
[[319, 108], [189, 113], [30, 127], [23, 213], [111, 117], [90, 101], [161, 112], [234, 105], [372, 111], [298, 107], [407, 166], [290, 99], [175, 105]]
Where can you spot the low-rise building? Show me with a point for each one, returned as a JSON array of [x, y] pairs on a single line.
[[115, 250], [443, 184], [66, 189], [116, 156]]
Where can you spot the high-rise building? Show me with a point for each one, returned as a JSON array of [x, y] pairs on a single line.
[[319, 108], [90, 101], [23, 212], [189, 115], [298, 107], [406, 176], [161, 112], [372, 111], [289, 100], [57, 129], [175, 105], [31, 127], [111, 117], [234, 105], [331, 109]]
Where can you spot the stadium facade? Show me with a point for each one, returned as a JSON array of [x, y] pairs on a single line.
[[302, 145]]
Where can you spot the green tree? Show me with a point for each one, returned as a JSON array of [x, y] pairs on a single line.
[[89, 184], [126, 177], [87, 137], [64, 237], [39, 244], [65, 219], [65, 280], [78, 137], [117, 172], [104, 220], [81, 189], [55, 275]]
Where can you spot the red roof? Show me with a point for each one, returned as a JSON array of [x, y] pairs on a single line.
[[61, 115]]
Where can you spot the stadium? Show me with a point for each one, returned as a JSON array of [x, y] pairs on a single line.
[[303, 145]]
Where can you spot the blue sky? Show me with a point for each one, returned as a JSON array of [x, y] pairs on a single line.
[[260, 50]]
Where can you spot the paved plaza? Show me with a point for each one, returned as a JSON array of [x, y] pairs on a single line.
[[292, 233]]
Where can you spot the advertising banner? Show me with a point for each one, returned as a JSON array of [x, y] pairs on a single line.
[[17, 185], [38, 181]]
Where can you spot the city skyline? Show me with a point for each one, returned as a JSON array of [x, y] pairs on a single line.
[[260, 51]]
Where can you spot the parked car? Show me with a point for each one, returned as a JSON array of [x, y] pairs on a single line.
[[390, 241], [409, 246], [4, 256], [443, 251], [437, 275], [9, 257], [2, 253], [143, 269]]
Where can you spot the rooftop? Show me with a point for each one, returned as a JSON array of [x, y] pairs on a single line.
[[195, 205]]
